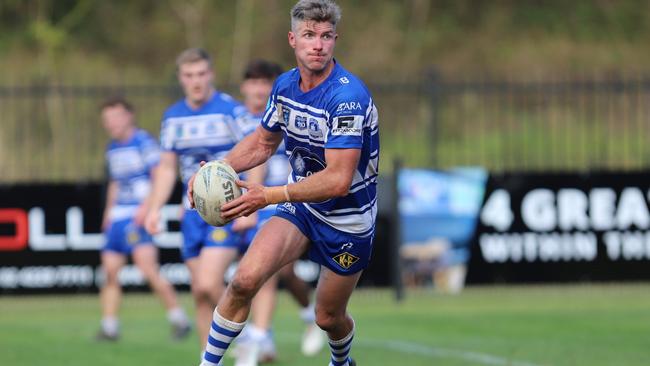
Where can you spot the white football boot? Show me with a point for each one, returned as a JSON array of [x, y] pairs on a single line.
[[313, 340], [247, 354], [268, 352]]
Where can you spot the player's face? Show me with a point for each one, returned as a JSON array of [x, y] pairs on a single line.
[[313, 44], [256, 93], [196, 79], [117, 121]]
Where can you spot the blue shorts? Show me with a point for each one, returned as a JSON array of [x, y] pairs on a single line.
[[123, 235], [198, 234], [341, 252]]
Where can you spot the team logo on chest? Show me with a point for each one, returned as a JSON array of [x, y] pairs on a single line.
[[299, 165], [301, 122], [304, 163], [345, 260], [210, 128], [314, 129], [286, 112]]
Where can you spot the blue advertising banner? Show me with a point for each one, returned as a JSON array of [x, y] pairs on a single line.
[[438, 212]]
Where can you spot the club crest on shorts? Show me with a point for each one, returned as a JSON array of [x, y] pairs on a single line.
[[345, 260], [219, 235], [132, 237]]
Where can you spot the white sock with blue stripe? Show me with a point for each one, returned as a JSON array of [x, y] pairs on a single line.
[[222, 333], [341, 350]]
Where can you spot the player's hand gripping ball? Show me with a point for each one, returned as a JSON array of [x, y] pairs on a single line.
[[214, 185]]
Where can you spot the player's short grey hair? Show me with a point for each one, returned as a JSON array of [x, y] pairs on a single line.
[[315, 10], [192, 55]]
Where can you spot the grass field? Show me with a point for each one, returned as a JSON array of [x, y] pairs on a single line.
[[526, 326]]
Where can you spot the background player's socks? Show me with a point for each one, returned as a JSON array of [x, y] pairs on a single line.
[[177, 316], [180, 324], [111, 326], [222, 333], [341, 350], [109, 330], [313, 338], [308, 314]]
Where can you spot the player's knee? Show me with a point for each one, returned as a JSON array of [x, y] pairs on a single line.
[[203, 291], [111, 280], [244, 285], [110, 277], [328, 320]]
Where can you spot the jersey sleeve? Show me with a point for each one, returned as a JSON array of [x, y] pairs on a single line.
[[248, 123], [272, 119], [107, 162], [166, 135], [347, 114], [245, 122], [150, 151]]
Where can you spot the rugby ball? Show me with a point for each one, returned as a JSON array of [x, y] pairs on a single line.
[[213, 186]]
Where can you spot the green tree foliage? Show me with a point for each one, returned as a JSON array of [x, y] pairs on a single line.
[[99, 41]]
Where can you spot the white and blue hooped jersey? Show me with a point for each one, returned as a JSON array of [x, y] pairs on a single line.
[[130, 164], [337, 114], [207, 133]]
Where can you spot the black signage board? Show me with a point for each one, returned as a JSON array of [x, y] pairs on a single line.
[[50, 239], [563, 227]]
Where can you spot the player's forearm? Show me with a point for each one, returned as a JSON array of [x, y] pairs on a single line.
[[250, 152], [146, 202], [111, 194], [257, 174], [163, 185], [317, 187]]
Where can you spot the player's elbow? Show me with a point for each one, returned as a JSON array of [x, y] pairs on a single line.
[[341, 188]]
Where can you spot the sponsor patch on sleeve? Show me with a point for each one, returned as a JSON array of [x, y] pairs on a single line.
[[347, 126]]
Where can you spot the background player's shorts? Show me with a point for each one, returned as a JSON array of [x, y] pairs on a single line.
[[197, 234], [341, 252], [262, 217], [123, 235]]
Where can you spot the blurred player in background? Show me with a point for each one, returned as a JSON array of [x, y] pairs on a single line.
[[256, 342], [329, 125], [204, 125], [132, 155]]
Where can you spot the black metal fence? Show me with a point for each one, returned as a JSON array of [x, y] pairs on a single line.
[[52, 133]]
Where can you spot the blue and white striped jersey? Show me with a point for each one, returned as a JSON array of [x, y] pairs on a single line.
[[207, 133], [130, 164], [337, 114]]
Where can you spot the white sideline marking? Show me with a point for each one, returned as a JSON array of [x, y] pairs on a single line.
[[428, 351]]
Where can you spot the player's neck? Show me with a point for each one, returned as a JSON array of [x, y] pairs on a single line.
[[196, 104], [311, 79], [127, 135], [254, 110]]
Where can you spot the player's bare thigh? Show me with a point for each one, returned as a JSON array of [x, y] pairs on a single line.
[[145, 257], [278, 243], [208, 269], [112, 262]]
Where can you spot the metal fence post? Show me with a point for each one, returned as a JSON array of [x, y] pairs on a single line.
[[396, 235], [432, 89]]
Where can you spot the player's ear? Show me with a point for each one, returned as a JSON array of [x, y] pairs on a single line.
[[292, 39]]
